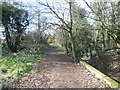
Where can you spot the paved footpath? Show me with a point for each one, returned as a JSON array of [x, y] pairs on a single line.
[[59, 71]]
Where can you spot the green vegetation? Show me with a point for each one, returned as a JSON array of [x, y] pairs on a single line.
[[18, 66], [117, 52], [89, 35], [15, 22], [21, 49], [84, 34], [6, 85]]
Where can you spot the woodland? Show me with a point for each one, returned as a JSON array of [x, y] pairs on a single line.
[[89, 34]]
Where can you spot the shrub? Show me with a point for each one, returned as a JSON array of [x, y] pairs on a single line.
[[6, 86], [15, 67], [117, 52], [3, 69]]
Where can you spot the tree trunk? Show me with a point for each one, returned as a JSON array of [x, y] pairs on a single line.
[[73, 48], [13, 46], [90, 50], [109, 40], [66, 47], [17, 43], [0, 49], [103, 41], [65, 44], [99, 56], [8, 38]]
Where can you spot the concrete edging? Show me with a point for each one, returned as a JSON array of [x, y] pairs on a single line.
[[110, 82]]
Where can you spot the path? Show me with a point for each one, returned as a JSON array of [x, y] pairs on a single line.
[[59, 71]]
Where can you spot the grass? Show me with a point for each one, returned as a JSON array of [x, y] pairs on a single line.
[[17, 65]]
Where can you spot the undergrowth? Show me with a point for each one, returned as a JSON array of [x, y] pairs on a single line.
[[16, 65]]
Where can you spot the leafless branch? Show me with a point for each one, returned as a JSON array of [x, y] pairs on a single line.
[[55, 13]]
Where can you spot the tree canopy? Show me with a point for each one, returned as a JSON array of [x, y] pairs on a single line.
[[15, 23]]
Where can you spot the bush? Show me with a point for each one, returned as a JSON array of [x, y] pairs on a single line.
[[6, 86], [18, 66], [117, 52], [15, 67], [3, 69]]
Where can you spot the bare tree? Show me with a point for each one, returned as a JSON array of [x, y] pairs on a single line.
[[108, 15], [66, 25]]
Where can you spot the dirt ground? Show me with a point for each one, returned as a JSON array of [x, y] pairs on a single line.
[[112, 64], [59, 71]]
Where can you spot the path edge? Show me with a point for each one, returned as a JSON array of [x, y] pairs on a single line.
[[104, 78]]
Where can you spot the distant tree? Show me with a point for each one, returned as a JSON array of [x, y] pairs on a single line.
[[15, 22], [67, 26], [107, 14]]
